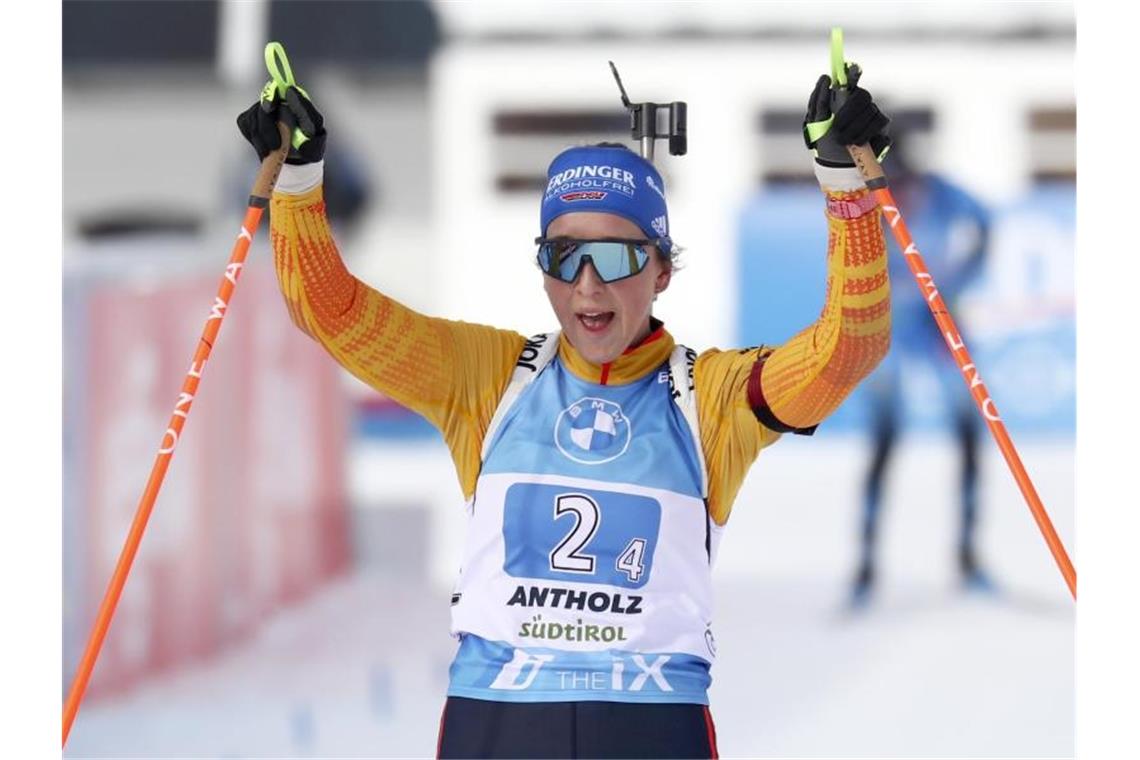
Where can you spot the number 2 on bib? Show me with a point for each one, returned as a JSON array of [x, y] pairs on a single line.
[[569, 556], [566, 556]]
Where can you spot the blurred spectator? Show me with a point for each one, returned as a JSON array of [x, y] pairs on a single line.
[[952, 230]]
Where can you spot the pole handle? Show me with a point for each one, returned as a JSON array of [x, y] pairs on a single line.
[[864, 157], [270, 169], [281, 74], [868, 165]]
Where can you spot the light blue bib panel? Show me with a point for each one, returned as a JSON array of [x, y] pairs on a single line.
[[586, 573]]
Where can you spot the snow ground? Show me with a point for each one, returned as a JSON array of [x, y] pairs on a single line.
[[927, 670]]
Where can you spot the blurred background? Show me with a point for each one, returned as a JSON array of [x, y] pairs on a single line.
[[291, 594]]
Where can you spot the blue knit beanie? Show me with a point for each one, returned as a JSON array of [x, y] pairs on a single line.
[[611, 179]]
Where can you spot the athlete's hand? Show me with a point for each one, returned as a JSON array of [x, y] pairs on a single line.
[[258, 124], [838, 117]]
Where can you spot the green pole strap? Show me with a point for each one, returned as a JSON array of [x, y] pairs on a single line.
[[278, 64], [838, 65], [282, 79], [817, 129]]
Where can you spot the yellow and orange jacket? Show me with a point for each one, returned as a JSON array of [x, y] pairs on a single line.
[[453, 373]]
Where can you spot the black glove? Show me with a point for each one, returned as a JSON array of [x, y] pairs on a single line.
[[258, 125], [857, 120]]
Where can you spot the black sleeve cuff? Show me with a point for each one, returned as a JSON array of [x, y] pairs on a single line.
[[760, 406]]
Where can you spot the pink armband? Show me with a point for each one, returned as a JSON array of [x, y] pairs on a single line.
[[853, 208]]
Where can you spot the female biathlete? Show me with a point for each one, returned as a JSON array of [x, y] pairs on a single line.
[[599, 462]]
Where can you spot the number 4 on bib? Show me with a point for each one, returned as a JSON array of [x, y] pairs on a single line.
[[631, 560]]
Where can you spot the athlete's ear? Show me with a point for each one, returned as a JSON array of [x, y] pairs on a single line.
[[663, 279]]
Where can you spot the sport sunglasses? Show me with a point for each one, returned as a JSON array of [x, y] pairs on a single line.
[[613, 258]]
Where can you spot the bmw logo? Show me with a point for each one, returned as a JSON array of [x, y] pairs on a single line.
[[592, 431]]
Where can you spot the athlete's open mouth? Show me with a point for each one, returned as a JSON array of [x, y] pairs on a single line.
[[596, 321]]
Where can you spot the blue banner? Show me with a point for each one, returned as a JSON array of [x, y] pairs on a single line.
[[1017, 312]]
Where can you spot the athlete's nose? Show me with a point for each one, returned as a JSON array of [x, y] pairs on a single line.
[[588, 279]]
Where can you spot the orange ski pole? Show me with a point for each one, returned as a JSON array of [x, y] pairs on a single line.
[[258, 201], [877, 183]]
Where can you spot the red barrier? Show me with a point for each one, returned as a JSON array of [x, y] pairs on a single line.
[[253, 513]]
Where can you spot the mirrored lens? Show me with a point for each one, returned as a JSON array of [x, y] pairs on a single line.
[[613, 260]]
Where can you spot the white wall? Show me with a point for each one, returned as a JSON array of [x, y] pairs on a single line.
[[725, 16], [981, 93]]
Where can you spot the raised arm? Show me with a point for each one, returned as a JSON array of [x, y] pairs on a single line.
[[807, 378], [748, 398], [452, 373]]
